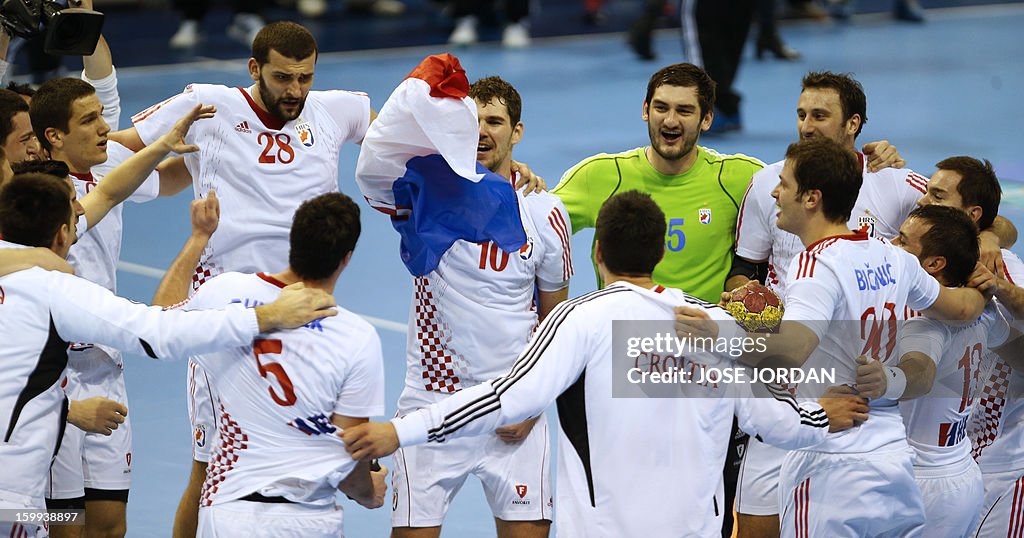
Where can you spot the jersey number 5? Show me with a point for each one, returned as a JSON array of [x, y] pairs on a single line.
[[274, 347], [676, 237], [284, 154]]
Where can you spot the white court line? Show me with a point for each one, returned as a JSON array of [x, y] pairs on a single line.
[[153, 272]]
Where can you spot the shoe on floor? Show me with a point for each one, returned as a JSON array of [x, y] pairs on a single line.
[[187, 35], [245, 27], [464, 33], [724, 123], [515, 36]]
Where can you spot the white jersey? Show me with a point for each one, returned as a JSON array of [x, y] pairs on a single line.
[[997, 425], [261, 167], [886, 198], [937, 422], [851, 290], [40, 312], [603, 488], [476, 311], [275, 396]]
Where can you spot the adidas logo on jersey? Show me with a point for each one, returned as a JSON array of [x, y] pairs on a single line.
[[243, 127]]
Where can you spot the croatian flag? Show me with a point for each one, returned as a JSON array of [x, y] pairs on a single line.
[[418, 164]]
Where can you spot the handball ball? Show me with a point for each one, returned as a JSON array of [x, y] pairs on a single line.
[[755, 307]]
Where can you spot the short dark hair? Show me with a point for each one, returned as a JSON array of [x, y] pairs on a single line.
[[851, 93], [685, 75], [10, 104], [52, 104], [324, 230], [953, 236], [33, 207], [289, 39], [57, 169], [631, 232], [21, 89], [978, 186], [822, 164], [488, 89]]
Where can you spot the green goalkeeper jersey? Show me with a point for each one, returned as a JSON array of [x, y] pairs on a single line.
[[700, 205]]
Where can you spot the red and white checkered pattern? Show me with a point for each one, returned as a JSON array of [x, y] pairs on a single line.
[[204, 271], [437, 360], [988, 412], [231, 441]]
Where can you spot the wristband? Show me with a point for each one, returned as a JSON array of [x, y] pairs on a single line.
[[896, 383]]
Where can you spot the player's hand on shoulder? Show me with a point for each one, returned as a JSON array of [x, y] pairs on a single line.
[[533, 182], [844, 407], [205, 215], [174, 139], [296, 306], [515, 433], [882, 154], [370, 440], [97, 415], [991, 255], [694, 323], [871, 378], [983, 280]]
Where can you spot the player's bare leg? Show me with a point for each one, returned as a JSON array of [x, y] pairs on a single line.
[[749, 526], [67, 531], [540, 528], [415, 532], [105, 519], [187, 518]]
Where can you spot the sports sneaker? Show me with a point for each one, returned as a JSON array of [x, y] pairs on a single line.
[[388, 8], [516, 36], [311, 8], [245, 27], [187, 35], [465, 32]]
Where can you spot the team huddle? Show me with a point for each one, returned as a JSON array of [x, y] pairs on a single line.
[[899, 282]]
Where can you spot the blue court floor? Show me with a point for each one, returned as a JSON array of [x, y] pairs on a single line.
[[949, 87]]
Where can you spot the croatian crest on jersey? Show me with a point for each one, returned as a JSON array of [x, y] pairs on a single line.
[[867, 221], [526, 251], [705, 215], [200, 435], [305, 132]]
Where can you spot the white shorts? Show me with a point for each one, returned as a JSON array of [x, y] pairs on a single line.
[[952, 498], [516, 477], [1002, 512], [202, 414], [93, 460], [757, 490], [236, 519], [850, 495]]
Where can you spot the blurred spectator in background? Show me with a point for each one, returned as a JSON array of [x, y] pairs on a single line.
[[768, 39], [592, 13], [468, 13], [902, 10], [244, 27]]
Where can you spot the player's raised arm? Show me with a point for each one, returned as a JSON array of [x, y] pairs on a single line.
[[123, 180], [175, 285]]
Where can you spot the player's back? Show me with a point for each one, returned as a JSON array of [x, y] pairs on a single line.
[[276, 397], [475, 312], [863, 287], [261, 167], [34, 358]]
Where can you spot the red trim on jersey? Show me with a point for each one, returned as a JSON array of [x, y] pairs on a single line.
[[1006, 273], [658, 288], [149, 111], [860, 159], [859, 235], [739, 224], [1014, 529], [82, 177], [557, 222], [917, 182], [269, 120], [271, 280]]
